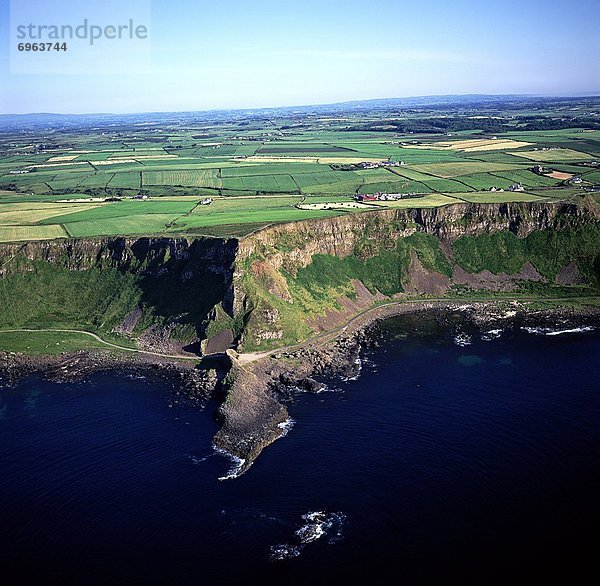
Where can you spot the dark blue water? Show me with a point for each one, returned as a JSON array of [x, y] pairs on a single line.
[[445, 464]]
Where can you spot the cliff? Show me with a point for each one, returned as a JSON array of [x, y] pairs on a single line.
[[293, 280], [156, 291], [284, 283], [142, 255], [290, 282]]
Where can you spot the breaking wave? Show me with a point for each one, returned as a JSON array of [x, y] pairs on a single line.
[[358, 363], [317, 525], [557, 332], [237, 464], [491, 335], [284, 552], [462, 340], [286, 426]]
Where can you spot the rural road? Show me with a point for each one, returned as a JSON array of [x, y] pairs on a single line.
[[322, 337], [99, 339], [329, 335]]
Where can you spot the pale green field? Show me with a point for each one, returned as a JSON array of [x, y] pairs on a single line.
[[23, 233], [557, 155], [432, 200], [139, 224], [448, 170], [20, 214], [190, 178], [496, 197]]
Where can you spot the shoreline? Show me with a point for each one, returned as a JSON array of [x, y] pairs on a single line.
[[76, 366], [254, 409], [252, 394]]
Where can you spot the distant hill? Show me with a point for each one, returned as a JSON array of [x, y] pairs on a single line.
[[53, 120]]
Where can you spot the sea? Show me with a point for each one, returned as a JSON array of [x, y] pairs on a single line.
[[454, 456]]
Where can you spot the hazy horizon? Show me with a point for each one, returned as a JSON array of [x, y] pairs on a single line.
[[282, 54], [308, 105]]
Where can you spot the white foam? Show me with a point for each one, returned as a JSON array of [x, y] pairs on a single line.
[[491, 335], [555, 332], [462, 340], [314, 529], [319, 524], [327, 389], [571, 331], [284, 551], [286, 426], [359, 364], [236, 468]]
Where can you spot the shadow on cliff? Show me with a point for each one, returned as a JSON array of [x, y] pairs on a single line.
[[179, 281]]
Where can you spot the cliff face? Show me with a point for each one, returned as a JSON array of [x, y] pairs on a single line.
[[287, 282], [296, 243], [292, 280], [158, 291], [142, 255]]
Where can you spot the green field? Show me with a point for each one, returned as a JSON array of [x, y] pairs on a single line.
[[192, 178], [496, 197], [256, 173], [261, 184], [485, 181], [557, 155], [122, 225], [24, 233], [527, 178], [428, 201], [35, 343], [448, 170]]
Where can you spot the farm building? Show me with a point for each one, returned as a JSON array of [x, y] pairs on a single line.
[[516, 187], [206, 201]]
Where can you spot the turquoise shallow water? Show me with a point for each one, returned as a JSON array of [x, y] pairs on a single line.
[[446, 463]]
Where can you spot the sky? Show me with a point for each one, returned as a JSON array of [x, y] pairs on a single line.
[[202, 55]]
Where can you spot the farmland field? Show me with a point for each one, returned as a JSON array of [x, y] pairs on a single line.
[[192, 178], [59, 182], [448, 170], [478, 144], [120, 225], [527, 178], [497, 197], [261, 183], [486, 181], [16, 214], [556, 155], [428, 201], [131, 180], [21, 233], [445, 185]]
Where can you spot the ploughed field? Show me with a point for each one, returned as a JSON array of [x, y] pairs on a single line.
[[156, 179]]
